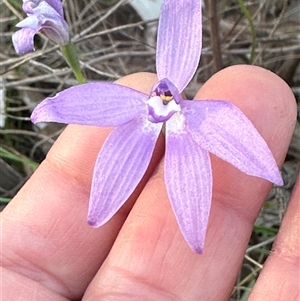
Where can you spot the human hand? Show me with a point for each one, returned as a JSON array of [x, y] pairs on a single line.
[[50, 253]]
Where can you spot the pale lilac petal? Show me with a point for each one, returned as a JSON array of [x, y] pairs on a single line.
[[179, 41], [23, 40], [221, 128], [57, 30], [48, 7], [188, 178], [120, 166], [54, 27], [57, 5], [32, 7], [28, 6], [101, 104], [42, 16], [51, 20], [32, 22]]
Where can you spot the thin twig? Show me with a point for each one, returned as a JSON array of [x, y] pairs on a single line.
[[215, 38], [262, 244], [16, 13], [26, 133], [109, 12]]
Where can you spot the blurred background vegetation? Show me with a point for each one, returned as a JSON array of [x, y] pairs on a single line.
[[115, 38]]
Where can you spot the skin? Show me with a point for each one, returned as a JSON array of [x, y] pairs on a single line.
[[50, 253]]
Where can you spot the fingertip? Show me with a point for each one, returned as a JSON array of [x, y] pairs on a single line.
[[253, 80], [250, 78], [264, 98], [143, 81]]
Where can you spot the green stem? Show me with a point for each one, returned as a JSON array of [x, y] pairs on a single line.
[[8, 155], [252, 27], [71, 57], [4, 200]]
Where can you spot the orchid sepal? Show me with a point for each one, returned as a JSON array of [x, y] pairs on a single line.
[[114, 181], [179, 41], [81, 105], [222, 129]]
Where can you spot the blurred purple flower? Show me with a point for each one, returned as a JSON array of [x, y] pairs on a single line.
[[192, 129], [45, 16]]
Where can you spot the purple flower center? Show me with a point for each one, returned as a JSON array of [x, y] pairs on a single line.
[[163, 91], [163, 101]]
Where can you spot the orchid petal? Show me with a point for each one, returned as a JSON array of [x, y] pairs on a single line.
[[41, 7], [33, 6], [222, 129], [166, 88], [54, 27], [188, 179], [57, 30], [46, 16], [100, 104], [57, 5], [28, 6], [179, 41], [160, 112], [121, 164], [23, 40], [33, 22]]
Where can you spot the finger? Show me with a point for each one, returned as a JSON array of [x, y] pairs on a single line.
[[45, 235], [150, 259], [279, 279]]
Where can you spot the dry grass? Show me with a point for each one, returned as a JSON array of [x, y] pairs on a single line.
[[113, 41]]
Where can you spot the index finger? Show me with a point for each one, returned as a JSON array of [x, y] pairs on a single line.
[[45, 235], [283, 262]]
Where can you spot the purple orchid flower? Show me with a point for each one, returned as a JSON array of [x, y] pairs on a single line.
[[43, 15], [192, 130]]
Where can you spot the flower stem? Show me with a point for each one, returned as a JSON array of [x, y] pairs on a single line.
[[70, 55]]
